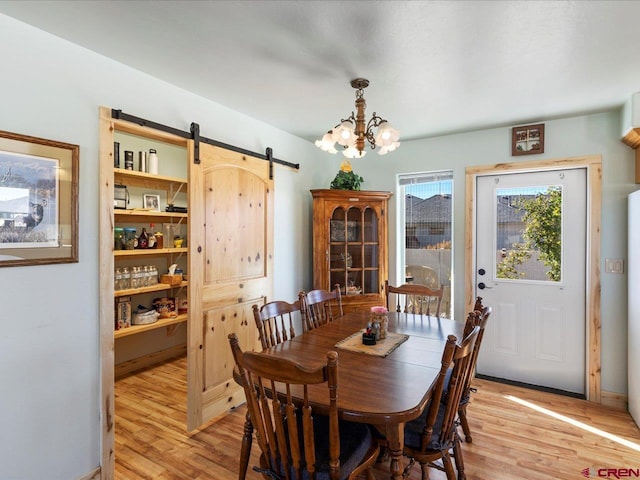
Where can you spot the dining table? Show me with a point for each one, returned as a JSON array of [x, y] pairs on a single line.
[[386, 385]]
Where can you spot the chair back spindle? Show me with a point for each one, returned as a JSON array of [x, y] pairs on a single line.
[[320, 307], [276, 321], [414, 298]]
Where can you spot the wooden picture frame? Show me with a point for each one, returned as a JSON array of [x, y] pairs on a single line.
[[38, 200], [151, 202], [527, 140]]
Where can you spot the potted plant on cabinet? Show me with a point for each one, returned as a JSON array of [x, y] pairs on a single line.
[[346, 178]]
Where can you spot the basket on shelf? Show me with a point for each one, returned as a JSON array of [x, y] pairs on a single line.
[[170, 279]]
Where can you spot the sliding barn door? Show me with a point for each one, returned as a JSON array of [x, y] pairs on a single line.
[[231, 260]]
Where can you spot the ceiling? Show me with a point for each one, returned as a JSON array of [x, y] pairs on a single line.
[[435, 67]]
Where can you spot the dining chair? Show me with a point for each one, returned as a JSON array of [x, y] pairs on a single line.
[[276, 321], [414, 298], [433, 436], [320, 306], [295, 441], [476, 318]]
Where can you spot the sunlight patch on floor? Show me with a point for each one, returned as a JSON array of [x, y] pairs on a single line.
[[575, 423]]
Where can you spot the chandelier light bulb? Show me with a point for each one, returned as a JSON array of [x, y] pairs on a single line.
[[387, 135], [343, 133], [327, 143], [353, 152], [389, 148]]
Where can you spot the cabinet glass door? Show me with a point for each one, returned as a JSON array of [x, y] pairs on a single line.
[[354, 251]]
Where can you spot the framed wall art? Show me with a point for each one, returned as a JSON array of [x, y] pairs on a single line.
[[38, 200], [527, 140], [151, 202]]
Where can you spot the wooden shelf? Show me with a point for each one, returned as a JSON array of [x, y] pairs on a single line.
[[163, 322], [148, 251], [146, 180], [147, 216], [159, 287]]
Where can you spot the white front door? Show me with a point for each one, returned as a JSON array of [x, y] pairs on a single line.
[[530, 268]]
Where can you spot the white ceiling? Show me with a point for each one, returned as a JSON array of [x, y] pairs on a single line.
[[435, 67]]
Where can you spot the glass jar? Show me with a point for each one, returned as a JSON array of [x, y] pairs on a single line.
[[140, 277], [153, 275], [130, 240], [117, 279], [118, 238], [121, 279], [126, 278], [145, 276], [159, 240], [135, 277]]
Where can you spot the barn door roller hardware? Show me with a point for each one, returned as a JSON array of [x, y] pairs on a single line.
[[194, 134]]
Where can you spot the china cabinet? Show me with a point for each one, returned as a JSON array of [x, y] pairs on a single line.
[[350, 246]]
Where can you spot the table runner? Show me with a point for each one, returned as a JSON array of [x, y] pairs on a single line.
[[382, 348]]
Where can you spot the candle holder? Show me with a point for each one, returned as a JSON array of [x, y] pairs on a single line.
[[369, 338]]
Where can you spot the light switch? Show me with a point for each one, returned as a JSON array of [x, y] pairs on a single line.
[[613, 265]]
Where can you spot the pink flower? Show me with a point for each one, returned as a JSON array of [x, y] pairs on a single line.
[[378, 310]]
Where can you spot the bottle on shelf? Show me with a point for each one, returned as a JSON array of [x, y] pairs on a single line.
[[143, 239], [142, 161], [152, 236], [128, 159], [159, 240], [116, 154], [153, 161]]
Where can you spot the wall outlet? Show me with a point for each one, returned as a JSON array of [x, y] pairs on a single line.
[[615, 265]]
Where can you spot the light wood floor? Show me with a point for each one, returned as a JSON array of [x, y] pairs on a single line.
[[511, 440]]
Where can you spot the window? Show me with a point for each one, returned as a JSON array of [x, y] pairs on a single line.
[[427, 216], [528, 233]]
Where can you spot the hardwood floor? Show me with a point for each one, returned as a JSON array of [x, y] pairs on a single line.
[[512, 438]]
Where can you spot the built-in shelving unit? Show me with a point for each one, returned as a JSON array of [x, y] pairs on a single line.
[[170, 185]]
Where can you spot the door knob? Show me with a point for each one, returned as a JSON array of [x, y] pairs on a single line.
[[482, 286]]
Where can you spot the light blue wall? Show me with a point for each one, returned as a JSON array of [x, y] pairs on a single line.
[[49, 347]]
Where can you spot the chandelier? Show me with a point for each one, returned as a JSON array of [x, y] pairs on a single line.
[[354, 131]]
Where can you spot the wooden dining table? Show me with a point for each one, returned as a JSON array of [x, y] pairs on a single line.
[[383, 391]]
